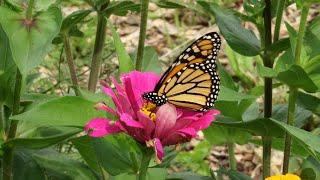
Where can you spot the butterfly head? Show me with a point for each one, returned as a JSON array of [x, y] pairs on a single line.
[[154, 98]]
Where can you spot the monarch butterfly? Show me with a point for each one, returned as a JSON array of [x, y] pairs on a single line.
[[191, 81]]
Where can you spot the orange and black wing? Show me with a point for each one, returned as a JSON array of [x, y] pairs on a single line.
[[192, 81]]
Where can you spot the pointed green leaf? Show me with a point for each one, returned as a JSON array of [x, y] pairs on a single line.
[[125, 62], [30, 44], [239, 39], [295, 76]]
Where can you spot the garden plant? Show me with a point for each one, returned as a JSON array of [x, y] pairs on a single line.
[[91, 119]]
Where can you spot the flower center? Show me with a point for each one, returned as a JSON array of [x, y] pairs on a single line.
[[147, 109]]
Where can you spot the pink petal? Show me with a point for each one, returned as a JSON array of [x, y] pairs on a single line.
[[188, 132], [166, 119], [158, 148], [99, 127], [129, 121], [147, 123], [180, 136], [137, 83], [104, 107], [204, 121], [120, 100]]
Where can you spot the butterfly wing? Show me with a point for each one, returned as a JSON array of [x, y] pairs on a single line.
[[192, 81]]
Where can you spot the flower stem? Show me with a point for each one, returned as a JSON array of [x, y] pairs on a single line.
[[2, 120], [97, 52], [279, 12], [29, 10], [70, 61], [142, 35], [290, 121], [293, 91], [146, 157], [232, 159], [8, 150], [268, 62]]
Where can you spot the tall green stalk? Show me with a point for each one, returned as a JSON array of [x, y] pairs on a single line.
[[97, 52], [8, 150], [71, 65], [142, 35], [232, 159], [279, 13], [292, 90], [266, 42], [146, 157], [2, 119]]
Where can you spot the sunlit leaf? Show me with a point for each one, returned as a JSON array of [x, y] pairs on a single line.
[[30, 41], [239, 39]]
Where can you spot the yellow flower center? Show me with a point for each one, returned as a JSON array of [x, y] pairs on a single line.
[[148, 109], [284, 177]]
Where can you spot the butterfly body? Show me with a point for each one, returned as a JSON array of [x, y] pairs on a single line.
[[192, 80]]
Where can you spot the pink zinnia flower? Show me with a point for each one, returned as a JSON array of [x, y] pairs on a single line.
[[154, 126]]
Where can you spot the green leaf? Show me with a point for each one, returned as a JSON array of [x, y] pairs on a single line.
[[261, 127], [265, 71], [39, 5], [152, 173], [278, 143], [25, 167], [227, 94], [121, 8], [30, 44], [309, 141], [308, 174], [254, 8], [60, 166], [218, 135], [64, 111], [293, 35], [169, 4], [125, 62], [309, 102], [312, 38], [41, 140], [122, 157], [280, 112], [295, 76], [150, 60], [239, 39], [279, 46], [73, 19], [312, 67], [187, 176], [226, 79], [232, 174], [313, 164], [285, 61], [7, 69]]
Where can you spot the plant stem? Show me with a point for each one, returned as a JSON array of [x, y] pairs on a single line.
[[142, 35], [97, 52], [290, 121], [280, 7], [302, 29], [2, 120], [71, 64], [8, 150], [268, 62], [146, 157], [232, 159], [29, 10], [293, 91]]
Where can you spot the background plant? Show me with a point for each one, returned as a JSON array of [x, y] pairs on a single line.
[[42, 118]]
